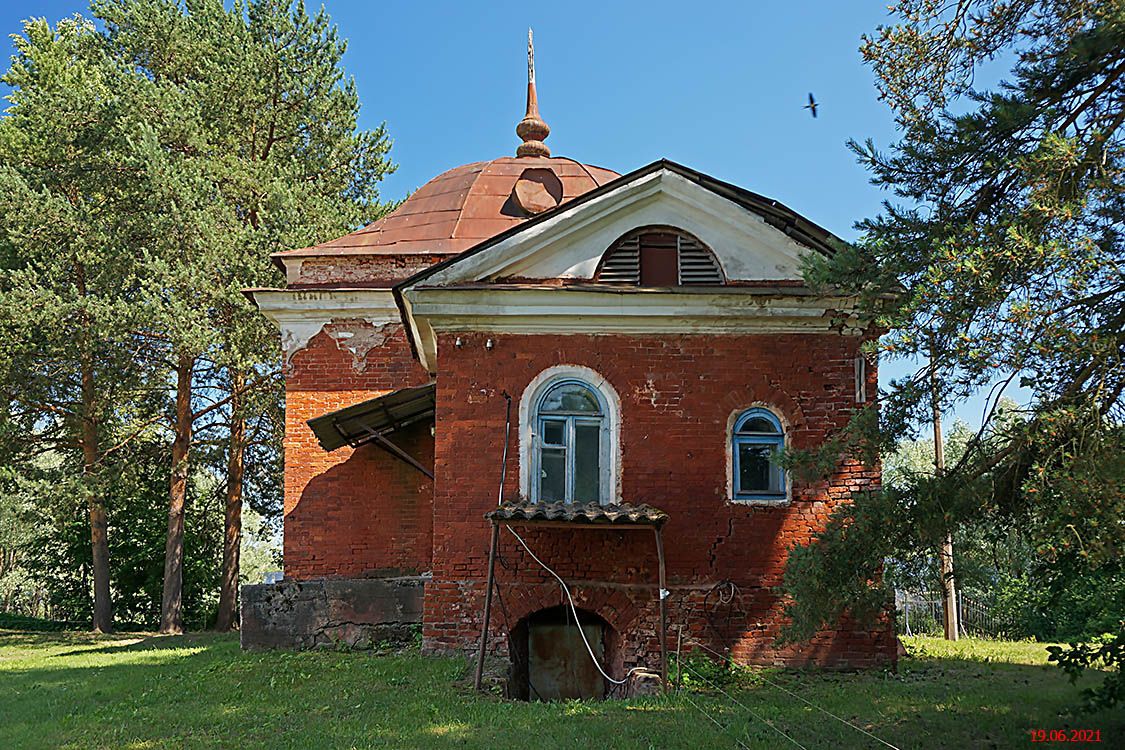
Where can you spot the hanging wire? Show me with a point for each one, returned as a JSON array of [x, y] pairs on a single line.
[[566, 589], [729, 601], [744, 707], [574, 609], [800, 698], [712, 719]]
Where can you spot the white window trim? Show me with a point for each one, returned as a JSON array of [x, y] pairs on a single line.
[[860, 379], [732, 420], [539, 385]]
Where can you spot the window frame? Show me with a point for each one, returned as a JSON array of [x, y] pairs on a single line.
[[535, 420], [776, 441]]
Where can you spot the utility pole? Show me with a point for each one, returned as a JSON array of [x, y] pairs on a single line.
[[948, 581]]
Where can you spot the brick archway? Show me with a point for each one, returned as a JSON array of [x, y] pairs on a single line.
[[550, 655], [627, 621]]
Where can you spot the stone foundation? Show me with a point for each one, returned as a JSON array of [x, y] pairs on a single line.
[[355, 613]]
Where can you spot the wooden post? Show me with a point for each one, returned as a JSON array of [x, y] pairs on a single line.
[[663, 610], [487, 603]]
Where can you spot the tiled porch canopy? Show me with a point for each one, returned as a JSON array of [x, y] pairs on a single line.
[[591, 514]]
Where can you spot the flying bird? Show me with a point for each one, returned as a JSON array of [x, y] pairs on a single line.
[[811, 106]]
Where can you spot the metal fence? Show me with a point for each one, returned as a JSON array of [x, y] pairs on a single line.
[[921, 615]]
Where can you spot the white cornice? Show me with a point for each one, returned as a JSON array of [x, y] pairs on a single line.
[[300, 314], [562, 311]]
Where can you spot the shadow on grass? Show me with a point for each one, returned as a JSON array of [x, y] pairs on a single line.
[[201, 690], [149, 694]]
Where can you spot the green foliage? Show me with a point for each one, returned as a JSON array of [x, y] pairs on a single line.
[[997, 261], [261, 547], [255, 145], [148, 169], [1109, 654], [698, 671], [1063, 607], [848, 553], [55, 551], [1027, 590]]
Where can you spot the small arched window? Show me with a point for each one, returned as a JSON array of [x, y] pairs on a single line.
[[659, 256], [757, 441], [569, 461]]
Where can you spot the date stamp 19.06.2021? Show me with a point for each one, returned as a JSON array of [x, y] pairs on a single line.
[[1066, 735]]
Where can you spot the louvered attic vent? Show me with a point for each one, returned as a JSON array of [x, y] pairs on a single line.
[[659, 257]]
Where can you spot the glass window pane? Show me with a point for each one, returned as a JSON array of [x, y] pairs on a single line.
[[587, 462], [570, 398], [755, 473], [759, 424], [554, 432], [552, 475]]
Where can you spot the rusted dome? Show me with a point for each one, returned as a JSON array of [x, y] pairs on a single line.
[[467, 205]]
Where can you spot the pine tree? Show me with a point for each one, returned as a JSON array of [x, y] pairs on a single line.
[[1003, 251], [75, 365], [256, 149]]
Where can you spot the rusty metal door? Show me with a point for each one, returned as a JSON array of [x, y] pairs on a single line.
[[559, 666]]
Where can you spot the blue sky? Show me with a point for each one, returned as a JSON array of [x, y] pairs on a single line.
[[718, 86]]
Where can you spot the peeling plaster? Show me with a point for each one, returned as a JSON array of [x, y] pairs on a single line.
[[356, 320], [358, 337], [647, 392], [295, 336]]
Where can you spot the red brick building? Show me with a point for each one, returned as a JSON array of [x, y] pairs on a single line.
[[647, 345]]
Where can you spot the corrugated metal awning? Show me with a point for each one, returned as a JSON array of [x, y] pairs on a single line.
[[592, 514], [375, 418]]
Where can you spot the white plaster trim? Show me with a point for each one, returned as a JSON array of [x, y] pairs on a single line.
[[570, 245], [293, 268], [556, 311], [531, 394], [302, 314], [785, 434], [423, 336]]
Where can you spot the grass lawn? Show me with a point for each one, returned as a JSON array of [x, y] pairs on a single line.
[[75, 690]]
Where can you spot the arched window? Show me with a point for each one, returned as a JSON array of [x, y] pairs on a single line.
[[756, 442], [570, 457], [659, 256]]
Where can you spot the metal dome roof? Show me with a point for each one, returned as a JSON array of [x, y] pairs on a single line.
[[467, 205]]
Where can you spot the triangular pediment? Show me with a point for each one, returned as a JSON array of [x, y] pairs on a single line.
[[510, 283], [754, 239]]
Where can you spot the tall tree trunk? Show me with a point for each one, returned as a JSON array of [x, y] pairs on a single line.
[[945, 554], [99, 536], [88, 436], [232, 537], [171, 608]]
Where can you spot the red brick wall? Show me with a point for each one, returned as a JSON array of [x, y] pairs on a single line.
[[677, 396], [353, 512], [359, 270]]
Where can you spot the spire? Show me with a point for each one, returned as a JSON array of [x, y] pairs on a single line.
[[531, 129]]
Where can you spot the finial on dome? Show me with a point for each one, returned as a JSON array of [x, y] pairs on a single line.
[[531, 129]]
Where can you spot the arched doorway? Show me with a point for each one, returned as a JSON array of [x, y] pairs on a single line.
[[550, 660]]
